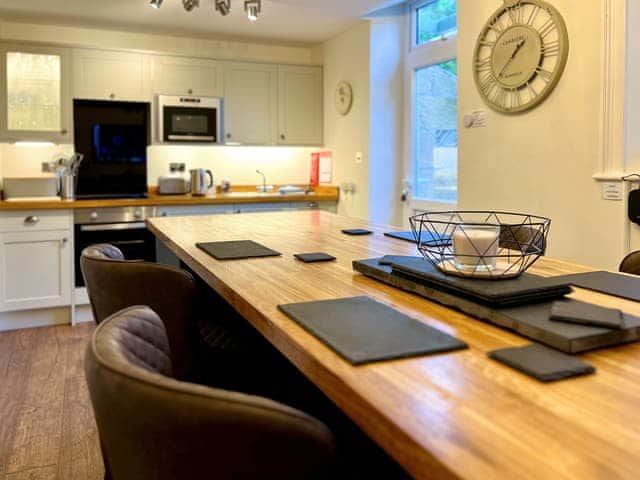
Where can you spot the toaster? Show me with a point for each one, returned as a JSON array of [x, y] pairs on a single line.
[[172, 185]]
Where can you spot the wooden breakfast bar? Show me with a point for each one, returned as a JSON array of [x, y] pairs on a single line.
[[452, 415]]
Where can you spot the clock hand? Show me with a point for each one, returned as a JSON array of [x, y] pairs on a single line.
[[513, 55]]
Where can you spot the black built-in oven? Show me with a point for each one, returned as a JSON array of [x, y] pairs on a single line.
[[124, 228]]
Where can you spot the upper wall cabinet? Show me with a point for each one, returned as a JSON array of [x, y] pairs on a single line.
[[34, 85], [106, 75], [186, 76], [250, 103], [300, 102]]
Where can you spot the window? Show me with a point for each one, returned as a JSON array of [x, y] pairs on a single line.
[[435, 19], [436, 132], [433, 81]]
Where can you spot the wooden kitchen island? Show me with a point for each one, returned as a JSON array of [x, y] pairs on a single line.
[[456, 415]]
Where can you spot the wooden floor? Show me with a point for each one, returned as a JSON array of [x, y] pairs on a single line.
[[47, 430]]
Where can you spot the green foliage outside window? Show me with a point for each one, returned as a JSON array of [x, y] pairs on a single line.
[[435, 19]]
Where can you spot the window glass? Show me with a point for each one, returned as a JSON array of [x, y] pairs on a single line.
[[33, 92], [435, 19], [436, 132]]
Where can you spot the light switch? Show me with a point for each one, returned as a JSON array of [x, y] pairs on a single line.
[[612, 191], [359, 157]]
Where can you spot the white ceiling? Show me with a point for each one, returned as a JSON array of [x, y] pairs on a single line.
[[300, 21]]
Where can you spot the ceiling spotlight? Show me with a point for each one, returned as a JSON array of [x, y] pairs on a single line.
[[156, 3], [252, 7], [190, 4], [223, 6]]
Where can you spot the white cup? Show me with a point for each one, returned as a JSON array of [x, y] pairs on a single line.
[[470, 242]]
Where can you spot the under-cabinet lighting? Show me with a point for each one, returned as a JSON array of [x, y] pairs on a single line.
[[34, 144]]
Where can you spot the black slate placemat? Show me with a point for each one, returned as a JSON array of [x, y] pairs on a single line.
[[616, 284], [542, 363], [587, 314], [424, 238], [236, 250], [525, 289], [362, 330]]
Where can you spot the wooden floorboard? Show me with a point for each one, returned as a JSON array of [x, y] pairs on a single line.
[[47, 430]]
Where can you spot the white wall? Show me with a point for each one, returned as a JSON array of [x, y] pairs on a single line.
[[347, 57], [542, 162], [113, 39], [388, 47]]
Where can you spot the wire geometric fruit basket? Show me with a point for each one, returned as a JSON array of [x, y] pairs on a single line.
[[481, 244]]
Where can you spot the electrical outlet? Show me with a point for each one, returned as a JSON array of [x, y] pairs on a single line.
[[359, 157]]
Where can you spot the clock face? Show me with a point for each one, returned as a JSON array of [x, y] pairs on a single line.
[[344, 98], [520, 55]]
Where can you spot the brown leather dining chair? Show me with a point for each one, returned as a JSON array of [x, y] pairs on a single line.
[[114, 283], [154, 427], [631, 263]]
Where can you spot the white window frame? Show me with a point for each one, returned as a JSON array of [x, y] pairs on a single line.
[[419, 57]]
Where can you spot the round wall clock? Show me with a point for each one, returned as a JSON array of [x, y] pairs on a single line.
[[520, 55], [344, 98]]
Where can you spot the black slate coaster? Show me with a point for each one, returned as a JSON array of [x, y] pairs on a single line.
[[616, 284], [236, 250], [531, 321], [356, 231], [587, 314], [525, 289], [425, 237], [543, 363], [362, 330], [314, 257]]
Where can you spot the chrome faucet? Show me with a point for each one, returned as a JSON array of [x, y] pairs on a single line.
[[264, 188]]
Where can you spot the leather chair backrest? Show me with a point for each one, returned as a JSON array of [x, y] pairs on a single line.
[[522, 238], [157, 428], [631, 263], [114, 284]]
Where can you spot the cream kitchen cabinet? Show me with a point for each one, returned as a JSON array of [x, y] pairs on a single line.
[[35, 260], [250, 103], [36, 98], [186, 76], [300, 105], [111, 75]]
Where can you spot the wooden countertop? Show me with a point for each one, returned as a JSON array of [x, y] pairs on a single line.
[[456, 415], [238, 195]]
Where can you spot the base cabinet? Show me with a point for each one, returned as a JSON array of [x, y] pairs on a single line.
[[35, 270]]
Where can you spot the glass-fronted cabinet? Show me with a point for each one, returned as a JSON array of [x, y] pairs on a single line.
[[34, 83]]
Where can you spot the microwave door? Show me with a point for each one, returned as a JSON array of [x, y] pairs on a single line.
[[184, 124]]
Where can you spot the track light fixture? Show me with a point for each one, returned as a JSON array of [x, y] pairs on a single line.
[[252, 7], [224, 7], [190, 4]]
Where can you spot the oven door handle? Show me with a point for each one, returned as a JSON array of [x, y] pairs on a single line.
[[109, 227]]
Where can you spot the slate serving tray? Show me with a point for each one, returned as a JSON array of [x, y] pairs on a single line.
[[525, 289], [531, 321]]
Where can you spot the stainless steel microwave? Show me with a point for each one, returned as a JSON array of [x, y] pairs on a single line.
[[190, 119]]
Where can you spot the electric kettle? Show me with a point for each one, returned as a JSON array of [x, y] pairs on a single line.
[[199, 184]]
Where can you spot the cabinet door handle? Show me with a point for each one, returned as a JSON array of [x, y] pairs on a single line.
[[190, 91], [31, 220], [112, 96], [228, 135], [64, 241], [283, 137], [63, 131]]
